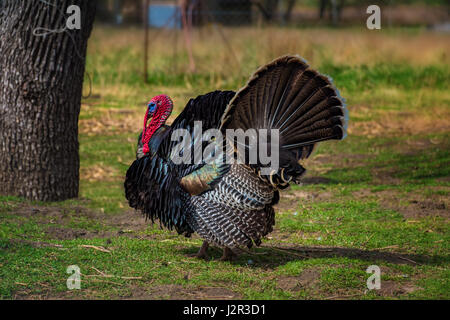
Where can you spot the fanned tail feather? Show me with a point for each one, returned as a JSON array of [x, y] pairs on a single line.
[[288, 95]]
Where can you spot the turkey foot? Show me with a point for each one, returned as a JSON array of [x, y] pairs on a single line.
[[227, 254], [201, 254]]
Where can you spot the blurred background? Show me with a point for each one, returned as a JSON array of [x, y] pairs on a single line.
[[280, 12], [223, 36], [395, 79]]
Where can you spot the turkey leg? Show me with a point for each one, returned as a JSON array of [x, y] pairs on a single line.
[[227, 254], [202, 252]]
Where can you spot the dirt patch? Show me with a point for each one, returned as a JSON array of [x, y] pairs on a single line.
[[68, 234], [392, 288], [321, 164], [178, 292], [404, 123], [307, 279], [419, 209], [127, 223], [443, 179], [49, 212], [99, 173], [111, 121], [411, 205], [34, 244], [382, 175], [216, 293], [26, 295], [158, 292], [289, 198], [130, 220], [63, 234]]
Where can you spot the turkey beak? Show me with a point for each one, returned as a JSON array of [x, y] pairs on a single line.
[[149, 112], [149, 117]]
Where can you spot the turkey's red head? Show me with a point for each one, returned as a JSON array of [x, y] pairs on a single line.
[[158, 110]]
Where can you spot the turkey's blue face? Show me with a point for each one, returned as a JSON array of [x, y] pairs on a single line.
[[151, 109]]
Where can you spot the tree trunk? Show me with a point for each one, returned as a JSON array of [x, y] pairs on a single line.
[[322, 8], [288, 13], [41, 80], [271, 7]]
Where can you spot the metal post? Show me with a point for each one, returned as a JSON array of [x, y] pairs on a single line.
[[147, 5]]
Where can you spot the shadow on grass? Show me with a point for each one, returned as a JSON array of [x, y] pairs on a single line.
[[270, 257]]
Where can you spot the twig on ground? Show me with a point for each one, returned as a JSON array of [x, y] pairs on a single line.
[[368, 239], [21, 284], [131, 278], [388, 247], [104, 275], [343, 296], [99, 248], [111, 276], [406, 259], [100, 280]]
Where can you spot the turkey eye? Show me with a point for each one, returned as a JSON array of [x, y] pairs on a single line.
[[151, 106]]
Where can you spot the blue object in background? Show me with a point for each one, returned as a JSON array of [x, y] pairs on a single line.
[[164, 16]]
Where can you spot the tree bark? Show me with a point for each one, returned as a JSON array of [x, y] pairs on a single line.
[[271, 7], [288, 13], [41, 80]]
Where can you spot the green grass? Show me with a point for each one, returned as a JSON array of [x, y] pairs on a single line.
[[380, 197]]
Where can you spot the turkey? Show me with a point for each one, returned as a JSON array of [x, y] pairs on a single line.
[[228, 199]]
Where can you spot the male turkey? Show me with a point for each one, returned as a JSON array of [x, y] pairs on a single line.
[[229, 204]]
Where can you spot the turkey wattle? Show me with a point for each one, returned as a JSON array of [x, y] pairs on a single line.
[[230, 204]]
